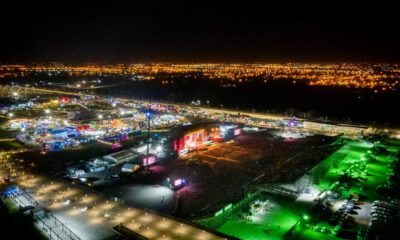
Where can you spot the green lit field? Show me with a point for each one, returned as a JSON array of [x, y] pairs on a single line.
[[10, 145], [356, 169], [274, 226], [367, 170], [363, 170], [10, 205]]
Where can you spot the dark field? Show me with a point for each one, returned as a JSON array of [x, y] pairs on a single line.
[[278, 96]]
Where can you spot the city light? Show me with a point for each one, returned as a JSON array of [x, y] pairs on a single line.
[[200, 123], [330, 75], [227, 144]]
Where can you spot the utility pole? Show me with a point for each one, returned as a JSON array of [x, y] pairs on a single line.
[[148, 114]]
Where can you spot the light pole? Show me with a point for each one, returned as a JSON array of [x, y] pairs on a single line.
[[148, 114], [101, 118]]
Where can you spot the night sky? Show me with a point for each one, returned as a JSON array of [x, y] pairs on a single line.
[[113, 33]]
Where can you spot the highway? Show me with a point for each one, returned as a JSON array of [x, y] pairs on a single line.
[[263, 116], [325, 129]]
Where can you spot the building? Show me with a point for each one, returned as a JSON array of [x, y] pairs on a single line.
[[122, 156], [130, 167], [385, 220], [336, 128]]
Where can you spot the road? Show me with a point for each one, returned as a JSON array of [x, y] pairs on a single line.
[[330, 130], [272, 117], [324, 129]]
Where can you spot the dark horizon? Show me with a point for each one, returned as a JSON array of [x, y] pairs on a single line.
[[201, 33]]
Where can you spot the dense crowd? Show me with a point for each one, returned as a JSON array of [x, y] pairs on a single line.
[[223, 173]]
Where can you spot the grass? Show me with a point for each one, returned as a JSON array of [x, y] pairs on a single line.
[[10, 205], [10, 145], [283, 216], [5, 133], [353, 157], [16, 225]]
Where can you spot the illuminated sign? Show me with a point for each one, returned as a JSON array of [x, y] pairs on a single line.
[[149, 160], [178, 182], [236, 132]]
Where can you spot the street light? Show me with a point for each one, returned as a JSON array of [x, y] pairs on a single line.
[[100, 116], [159, 148], [148, 114]]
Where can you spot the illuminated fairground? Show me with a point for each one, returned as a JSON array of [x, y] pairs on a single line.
[[198, 122], [232, 175]]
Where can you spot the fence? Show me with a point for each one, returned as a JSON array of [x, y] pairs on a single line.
[[53, 227], [227, 212]]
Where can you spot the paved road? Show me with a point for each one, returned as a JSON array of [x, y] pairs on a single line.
[[215, 111], [91, 216], [264, 116]]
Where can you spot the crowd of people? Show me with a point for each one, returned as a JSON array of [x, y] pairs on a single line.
[[222, 174]]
